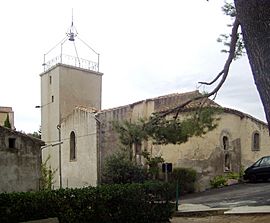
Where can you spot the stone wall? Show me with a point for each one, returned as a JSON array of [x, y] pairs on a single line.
[[20, 161], [108, 138]]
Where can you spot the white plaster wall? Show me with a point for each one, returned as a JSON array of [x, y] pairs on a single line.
[[79, 87], [50, 119], [82, 171], [70, 86]]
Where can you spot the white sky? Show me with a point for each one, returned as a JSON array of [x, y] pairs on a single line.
[[148, 48]]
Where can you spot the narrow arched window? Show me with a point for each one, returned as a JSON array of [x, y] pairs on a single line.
[[225, 141], [72, 143], [256, 142]]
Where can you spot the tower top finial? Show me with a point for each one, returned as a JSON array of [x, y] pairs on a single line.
[[72, 32]]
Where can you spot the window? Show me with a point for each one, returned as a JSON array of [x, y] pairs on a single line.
[[255, 142], [265, 161], [52, 98], [72, 143], [12, 143], [225, 141], [50, 79]]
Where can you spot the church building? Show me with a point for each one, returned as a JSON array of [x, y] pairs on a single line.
[[79, 135]]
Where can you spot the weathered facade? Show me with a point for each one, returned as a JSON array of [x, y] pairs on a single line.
[[20, 161], [237, 142]]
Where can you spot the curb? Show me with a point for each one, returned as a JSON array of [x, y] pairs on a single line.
[[201, 213]]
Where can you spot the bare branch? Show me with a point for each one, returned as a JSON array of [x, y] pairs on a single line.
[[223, 73], [213, 81]]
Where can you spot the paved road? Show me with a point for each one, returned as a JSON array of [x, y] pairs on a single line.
[[232, 196]]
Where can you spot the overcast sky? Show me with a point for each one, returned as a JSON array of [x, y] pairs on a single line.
[[148, 48]]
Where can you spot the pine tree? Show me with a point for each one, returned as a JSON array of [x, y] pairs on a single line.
[[7, 122]]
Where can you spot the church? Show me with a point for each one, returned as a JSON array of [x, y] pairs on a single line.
[[79, 135]]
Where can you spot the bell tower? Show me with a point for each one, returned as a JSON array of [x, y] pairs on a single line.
[[68, 80]]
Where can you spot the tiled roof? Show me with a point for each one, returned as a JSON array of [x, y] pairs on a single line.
[[87, 109]]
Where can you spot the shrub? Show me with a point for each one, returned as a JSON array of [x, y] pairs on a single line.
[[120, 170], [116, 203], [221, 180], [218, 181], [186, 179]]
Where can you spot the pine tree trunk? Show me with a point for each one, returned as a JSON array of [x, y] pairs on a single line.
[[254, 18]]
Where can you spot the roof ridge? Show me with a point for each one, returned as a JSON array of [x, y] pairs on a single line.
[[151, 99]]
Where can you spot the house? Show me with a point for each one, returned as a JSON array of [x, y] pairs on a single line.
[[85, 136], [20, 161]]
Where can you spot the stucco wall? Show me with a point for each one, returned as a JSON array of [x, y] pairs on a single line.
[[83, 170], [248, 128], [19, 166], [79, 87], [206, 154], [109, 142], [69, 86]]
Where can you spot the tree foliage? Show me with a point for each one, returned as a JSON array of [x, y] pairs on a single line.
[[229, 10], [165, 130], [153, 164], [176, 131], [36, 134], [47, 175], [119, 169], [130, 134], [7, 122]]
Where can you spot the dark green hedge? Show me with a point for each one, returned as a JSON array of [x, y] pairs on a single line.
[[140, 203], [186, 179]]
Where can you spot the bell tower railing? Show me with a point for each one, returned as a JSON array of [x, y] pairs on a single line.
[[73, 61]]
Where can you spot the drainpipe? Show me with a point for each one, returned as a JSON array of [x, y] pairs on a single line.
[[98, 148], [60, 165]]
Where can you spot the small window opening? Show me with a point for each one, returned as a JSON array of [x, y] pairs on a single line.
[[11, 143], [52, 98], [50, 79], [225, 142], [256, 142], [72, 143]]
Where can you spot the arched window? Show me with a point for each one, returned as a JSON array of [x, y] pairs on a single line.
[[256, 142], [72, 144], [225, 142]]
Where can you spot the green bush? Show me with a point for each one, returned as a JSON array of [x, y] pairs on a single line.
[[120, 170], [186, 179], [218, 181], [221, 180], [140, 203]]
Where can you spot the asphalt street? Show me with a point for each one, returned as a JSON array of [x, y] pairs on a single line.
[[247, 194]]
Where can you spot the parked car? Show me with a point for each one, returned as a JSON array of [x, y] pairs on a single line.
[[260, 170]]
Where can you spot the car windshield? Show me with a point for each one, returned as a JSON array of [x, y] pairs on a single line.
[[265, 161], [257, 163]]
